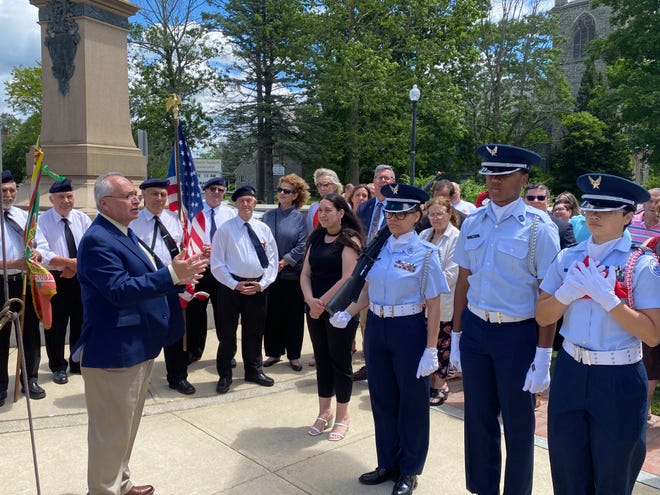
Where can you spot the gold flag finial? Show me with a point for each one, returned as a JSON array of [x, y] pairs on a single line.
[[173, 103], [595, 183]]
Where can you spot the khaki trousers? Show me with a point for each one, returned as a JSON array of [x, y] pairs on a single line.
[[115, 399]]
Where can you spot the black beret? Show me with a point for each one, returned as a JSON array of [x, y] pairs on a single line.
[[246, 190], [500, 159], [214, 181], [62, 186], [160, 183], [7, 177], [402, 197], [606, 192]]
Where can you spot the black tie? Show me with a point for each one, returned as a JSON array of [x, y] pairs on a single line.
[[261, 253], [160, 229], [70, 240], [214, 227], [14, 225]]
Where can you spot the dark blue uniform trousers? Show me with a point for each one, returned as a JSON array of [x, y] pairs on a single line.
[[596, 427], [495, 359], [399, 400]]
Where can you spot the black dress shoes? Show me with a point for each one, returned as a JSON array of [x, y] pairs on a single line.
[[223, 385], [183, 386], [36, 392], [3, 396], [378, 476], [295, 367], [270, 361], [60, 377], [261, 379], [405, 484]]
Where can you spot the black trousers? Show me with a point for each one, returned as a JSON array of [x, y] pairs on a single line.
[[252, 310], [176, 361], [332, 353], [196, 320], [285, 320], [31, 335], [67, 311]]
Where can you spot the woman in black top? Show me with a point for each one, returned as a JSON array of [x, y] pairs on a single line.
[[331, 256]]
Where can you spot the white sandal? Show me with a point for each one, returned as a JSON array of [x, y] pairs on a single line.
[[335, 436], [315, 431]]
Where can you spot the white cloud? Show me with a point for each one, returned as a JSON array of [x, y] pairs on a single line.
[[22, 35]]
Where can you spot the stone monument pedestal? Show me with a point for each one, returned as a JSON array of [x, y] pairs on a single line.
[[85, 128]]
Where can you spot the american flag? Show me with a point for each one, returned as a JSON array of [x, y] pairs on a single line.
[[194, 221]]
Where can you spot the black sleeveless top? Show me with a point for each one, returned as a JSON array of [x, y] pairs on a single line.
[[324, 262]]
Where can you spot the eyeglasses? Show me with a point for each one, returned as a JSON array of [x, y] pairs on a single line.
[[399, 215], [128, 197], [284, 191], [216, 189], [437, 214], [540, 197], [384, 178], [555, 210], [323, 184]]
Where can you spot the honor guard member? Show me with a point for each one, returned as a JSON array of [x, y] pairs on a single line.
[[244, 260], [400, 347], [14, 249], [607, 291], [58, 235], [503, 252], [196, 318], [160, 229]]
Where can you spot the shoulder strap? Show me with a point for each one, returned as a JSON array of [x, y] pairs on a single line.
[[425, 271], [628, 273], [531, 254]]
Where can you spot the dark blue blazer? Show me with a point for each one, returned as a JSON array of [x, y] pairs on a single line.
[[130, 309], [364, 212]]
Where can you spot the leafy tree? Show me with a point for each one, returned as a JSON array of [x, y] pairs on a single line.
[[516, 88], [24, 89], [588, 145], [172, 52], [633, 72], [266, 40], [17, 146]]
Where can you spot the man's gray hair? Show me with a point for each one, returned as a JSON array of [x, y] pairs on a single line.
[[380, 168], [103, 187]]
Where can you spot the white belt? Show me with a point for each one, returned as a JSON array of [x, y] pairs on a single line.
[[494, 316], [604, 358], [394, 311]]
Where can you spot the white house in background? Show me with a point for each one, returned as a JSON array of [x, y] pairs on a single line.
[[207, 168]]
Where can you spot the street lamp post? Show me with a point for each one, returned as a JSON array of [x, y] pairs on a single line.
[[414, 96]]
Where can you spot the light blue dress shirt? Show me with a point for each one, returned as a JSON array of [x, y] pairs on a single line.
[[586, 323], [496, 253], [396, 276]]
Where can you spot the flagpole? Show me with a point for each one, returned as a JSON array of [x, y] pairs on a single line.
[[173, 103]]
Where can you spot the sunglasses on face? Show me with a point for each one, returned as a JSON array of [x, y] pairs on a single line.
[[284, 191], [540, 197], [323, 184]]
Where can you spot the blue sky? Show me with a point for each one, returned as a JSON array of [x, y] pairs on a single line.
[[21, 40]]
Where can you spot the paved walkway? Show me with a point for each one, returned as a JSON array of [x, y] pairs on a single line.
[[251, 440]]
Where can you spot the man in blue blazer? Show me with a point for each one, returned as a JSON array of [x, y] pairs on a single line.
[[131, 310]]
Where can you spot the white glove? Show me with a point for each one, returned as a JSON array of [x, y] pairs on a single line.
[[428, 363], [598, 286], [340, 319], [455, 352], [570, 290], [538, 375]]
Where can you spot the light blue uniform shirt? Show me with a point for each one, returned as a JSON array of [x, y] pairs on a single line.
[[586, 323], [496, 254], [396, 276]]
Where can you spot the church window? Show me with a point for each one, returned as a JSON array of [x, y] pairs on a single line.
[[584, 32]]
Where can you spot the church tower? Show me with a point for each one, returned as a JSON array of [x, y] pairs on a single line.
[[579, 23]]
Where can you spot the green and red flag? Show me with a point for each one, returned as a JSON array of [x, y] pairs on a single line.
[[41, 280]]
